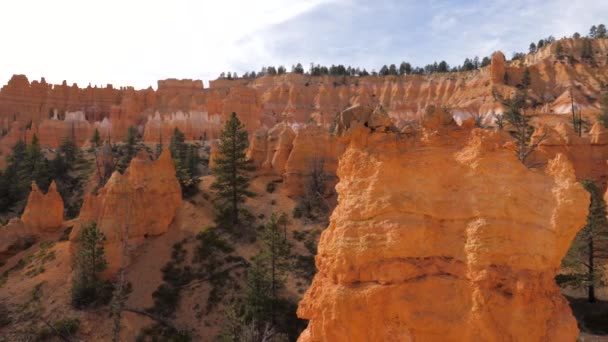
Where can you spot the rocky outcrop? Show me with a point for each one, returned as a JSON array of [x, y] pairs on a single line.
[[588, 154], [497, 68], [43, 212], [444, 237], [139, 204]]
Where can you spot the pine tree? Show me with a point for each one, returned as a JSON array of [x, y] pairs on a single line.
[[526, 78], [276, 253], [486, 61], [297, 69], [69, 150], [89, 262], [159, 147], [130, 149], [186, 161], [521, 129], [405, 68], [532, 48], [257, 298], [384, 70], [392, 69], [95, 139], [601, 31], [177, 145], [37, 166], [588, 254], [231, 182], [593, 32]]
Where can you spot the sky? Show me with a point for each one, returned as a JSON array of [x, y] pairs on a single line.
[[137, 42]]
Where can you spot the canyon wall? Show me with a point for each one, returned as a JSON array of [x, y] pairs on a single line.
[[444, 236], [558, 81]]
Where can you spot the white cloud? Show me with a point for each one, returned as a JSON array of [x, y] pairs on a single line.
[[138, 42]]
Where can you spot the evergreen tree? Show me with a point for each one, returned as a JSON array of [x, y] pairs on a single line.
[[521, 129], [96, 139], [576, 35], [443, 67], [231, 182], [89, 262], [276, 253], [601, 31], [532, 48], [298, 69], [593, 32], [37, 167], [69, 150], [177, 145], [405, 68], [130, 149], [186, 161], [587, 50], [95, 143], [541, 43], [526, 78], [588, 254], [159, 147], [559, 49], [384, 70], [17, 178], [392, 69], [281, 70], [485, 61]]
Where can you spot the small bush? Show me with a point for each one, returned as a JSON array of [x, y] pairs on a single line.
[[159, 332], [64, 329], [270, 187], [5, 318], [297, 212]]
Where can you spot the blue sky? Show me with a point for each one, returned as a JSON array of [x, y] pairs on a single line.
[[138, 42]]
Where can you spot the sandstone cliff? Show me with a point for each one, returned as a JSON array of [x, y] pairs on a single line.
[[139, 204], [444, 236]]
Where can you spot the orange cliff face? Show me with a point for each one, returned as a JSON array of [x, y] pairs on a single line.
[[444, 236], [139, 204]]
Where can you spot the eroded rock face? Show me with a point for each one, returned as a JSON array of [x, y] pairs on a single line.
[[444, 238], [497, 68], [43, 212], [138, 204]]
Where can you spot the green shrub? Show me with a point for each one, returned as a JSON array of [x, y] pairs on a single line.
[[162, 333], [5, 318], [297, 212], [64, 329], [270, 187]]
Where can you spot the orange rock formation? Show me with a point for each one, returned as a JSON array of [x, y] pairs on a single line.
[[43, 212], [133, 206], [444, 237], [557, 83]]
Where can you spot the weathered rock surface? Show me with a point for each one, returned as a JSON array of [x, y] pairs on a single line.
[[447, 237], [138, 204], [556, 83], [43, 212]]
